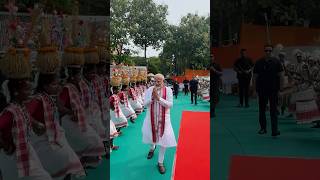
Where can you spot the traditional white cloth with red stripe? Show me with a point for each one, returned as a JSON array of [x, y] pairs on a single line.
[[20, 132], [85, 93], [132, 94], [123, 97], [76, 106], [157, 123], [114, 100], [52, 131], [157, 128]]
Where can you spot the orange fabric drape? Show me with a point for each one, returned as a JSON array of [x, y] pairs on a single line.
[[253, 38], [189, 73]]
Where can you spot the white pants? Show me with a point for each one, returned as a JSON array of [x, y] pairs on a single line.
[[162, 151]]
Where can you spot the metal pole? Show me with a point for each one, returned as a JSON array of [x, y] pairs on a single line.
[[267, 26]]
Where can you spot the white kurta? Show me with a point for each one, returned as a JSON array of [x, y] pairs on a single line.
[[168, 138]]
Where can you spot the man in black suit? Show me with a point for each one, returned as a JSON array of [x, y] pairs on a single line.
[[215, 84], [268, 77], [186, 88], [193, 89], [176, 88], [243, 67]]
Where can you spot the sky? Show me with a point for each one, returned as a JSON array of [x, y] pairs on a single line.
[[176, 10]]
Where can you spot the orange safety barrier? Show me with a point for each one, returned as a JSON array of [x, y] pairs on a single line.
[[253, 38], [189, 73]]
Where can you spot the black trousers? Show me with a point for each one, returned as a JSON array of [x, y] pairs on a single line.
[[244, 84], [263, 101], [194, 96], [186, 90], [176, 92]]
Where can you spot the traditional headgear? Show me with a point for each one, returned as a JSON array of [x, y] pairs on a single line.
[[134, 75], [115, 77], [104, 55], [15, 63], [73, 55], [47, 61], [125, 76], [91, 55]]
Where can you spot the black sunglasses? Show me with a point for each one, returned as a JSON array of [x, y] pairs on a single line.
[[267, 50]]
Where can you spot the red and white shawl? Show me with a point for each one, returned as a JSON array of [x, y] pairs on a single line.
[[50, 120], [106, 86], [76, 106], [98, 90], [20, 128], [85, 93], [132, 93], [158, 129], [114, 100], [123, 97]]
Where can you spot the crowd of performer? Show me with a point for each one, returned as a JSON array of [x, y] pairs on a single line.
[[54, 114], [128, 86], [290, 83], [301, 86]]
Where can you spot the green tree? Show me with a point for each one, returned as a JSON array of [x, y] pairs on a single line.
[[187, 45], [148, 24], [119, 25]]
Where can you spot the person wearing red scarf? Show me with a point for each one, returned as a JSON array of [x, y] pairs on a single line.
[[18, 159], [157, 128], [124, 100]]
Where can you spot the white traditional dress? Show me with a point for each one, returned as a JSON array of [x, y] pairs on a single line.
[[24, 163], [54, 151], [90, 101], [157, 128], [116, 114], [134, 101], [126, 106], [139, 95], [81, 136]]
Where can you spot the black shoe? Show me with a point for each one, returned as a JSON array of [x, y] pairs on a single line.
[[262, 131], [131, 120], [150, 154], [114, 148], [196, 104], [275, 134], [239, 105], [161, 168]]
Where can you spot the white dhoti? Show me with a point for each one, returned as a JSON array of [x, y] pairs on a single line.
[[120, 121], [307, 109], [87, 143], [168, 137], [128, 111], [113, 130], [136, 105], [58, 160], [9, 170], [94, 119]]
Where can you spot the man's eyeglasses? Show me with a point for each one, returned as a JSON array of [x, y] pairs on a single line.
[[267, 50]]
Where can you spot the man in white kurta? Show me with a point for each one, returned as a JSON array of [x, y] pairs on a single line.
[[157, 129]]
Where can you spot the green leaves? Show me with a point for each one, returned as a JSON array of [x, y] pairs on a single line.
[[148, 23], [189, 43]]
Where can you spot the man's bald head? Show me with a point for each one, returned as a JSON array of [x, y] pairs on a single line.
[[159, 76], [159, 80]]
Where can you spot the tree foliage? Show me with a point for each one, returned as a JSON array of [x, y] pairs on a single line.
[[148, 23], [227, 15], [189, 43], [119, 24]]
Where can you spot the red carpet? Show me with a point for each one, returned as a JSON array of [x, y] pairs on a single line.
[[274, 168], [193, 150]]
